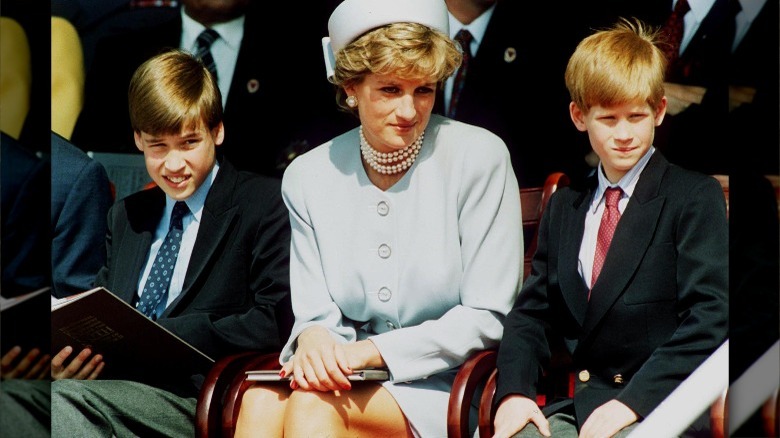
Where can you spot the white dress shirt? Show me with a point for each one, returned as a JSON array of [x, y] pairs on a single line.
[[693, 19], [224, 50], [477, 29], [190, 225], [596, 210], [745, 17]]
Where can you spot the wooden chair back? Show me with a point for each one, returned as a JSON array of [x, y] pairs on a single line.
[[533, 201]]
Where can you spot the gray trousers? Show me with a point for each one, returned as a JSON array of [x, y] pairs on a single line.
[[118, 408], [24, 408], [565, 426]]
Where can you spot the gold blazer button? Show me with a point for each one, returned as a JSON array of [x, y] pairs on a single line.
[[584, 376], [618, 379]]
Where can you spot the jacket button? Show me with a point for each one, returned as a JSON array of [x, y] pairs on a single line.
[[584, 376], [384, 294], [618, 379], [382, 208]]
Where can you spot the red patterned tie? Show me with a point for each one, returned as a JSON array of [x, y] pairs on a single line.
[[463, 37], [609, 220], [673, 30]]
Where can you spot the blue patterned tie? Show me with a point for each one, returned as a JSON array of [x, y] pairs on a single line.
[[156, 286], [463, 37], [205, 40]]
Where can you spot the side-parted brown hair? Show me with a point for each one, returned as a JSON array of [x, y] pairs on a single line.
[[171, 91], [406, 50], [617, 65]]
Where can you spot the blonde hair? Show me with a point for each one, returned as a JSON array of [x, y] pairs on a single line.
[[407, 50], [171, 91], [617, 65]]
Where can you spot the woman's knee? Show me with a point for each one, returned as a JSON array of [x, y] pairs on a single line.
[[259, 399], [262, 411], [315, 408]]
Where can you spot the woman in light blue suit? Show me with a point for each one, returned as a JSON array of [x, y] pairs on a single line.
[[406, 240]]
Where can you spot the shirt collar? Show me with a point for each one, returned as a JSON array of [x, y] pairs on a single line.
[[197, 200], [700, 8], [751, 8], [231, 32], [627, 183], [477, 28], [748, 13]]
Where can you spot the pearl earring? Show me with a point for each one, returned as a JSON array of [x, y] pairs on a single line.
[[352, 101]]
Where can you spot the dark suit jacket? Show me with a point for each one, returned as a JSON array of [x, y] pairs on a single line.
[[25, 227], [755, 125], [659, 309], [80, 199], [236, 291], [25, 258], [514, 87], [277, 93], [693, 138]]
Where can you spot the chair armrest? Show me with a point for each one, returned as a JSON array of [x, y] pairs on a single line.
[[770, 414], [239, 385], [472, 373], [487, 411], [209, 408], [719, 416]]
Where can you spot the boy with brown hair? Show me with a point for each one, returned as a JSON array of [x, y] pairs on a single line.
[[228, 244], [631, 269]]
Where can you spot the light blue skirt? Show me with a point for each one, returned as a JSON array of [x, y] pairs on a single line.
[[424, 403]]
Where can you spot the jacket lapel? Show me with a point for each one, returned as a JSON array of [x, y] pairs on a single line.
[[218, 215], [632, 237], [574, 290], [134, 248]]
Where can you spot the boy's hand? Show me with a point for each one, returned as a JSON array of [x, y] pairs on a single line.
[[79, 367], [514, 413], [29, 367], [607, 420]]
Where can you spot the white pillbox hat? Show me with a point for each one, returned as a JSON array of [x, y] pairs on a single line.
[[353, 18]]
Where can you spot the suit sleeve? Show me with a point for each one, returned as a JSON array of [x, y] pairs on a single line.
[[264, 323], [524, 347], [702, 298], [78, 250], [311, 301], [25, 227]]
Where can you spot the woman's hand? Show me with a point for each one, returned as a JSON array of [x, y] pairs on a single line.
[[320, 363]]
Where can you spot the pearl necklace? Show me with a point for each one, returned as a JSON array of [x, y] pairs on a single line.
[[390, 163]]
